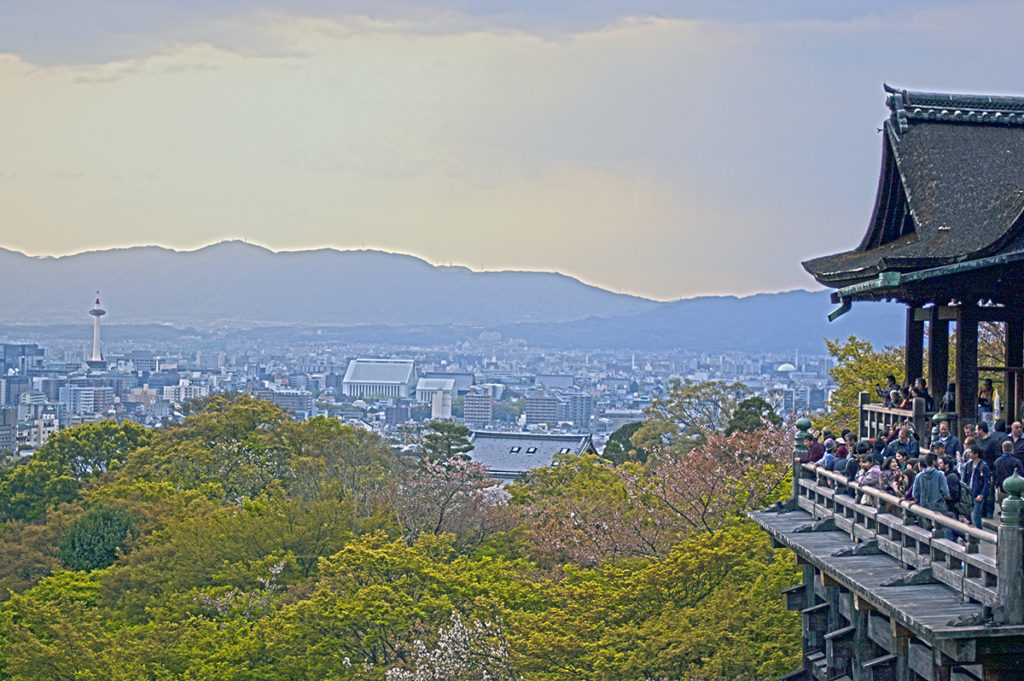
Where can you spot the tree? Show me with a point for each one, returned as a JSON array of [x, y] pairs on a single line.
[[95, 537], [752, 414], [91, 449], [708, 487], [446, 440], [507, 411], [453, 496], [54, 474], [580, 510], [619, 447], [237, 443], [686, 413], [858, 368]]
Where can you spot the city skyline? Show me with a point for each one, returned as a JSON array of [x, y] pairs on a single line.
[[648, 148]]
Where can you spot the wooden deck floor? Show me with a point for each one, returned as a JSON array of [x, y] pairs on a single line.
[[925, 609]]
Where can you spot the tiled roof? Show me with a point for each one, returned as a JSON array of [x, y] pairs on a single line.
[[509, 454], [951, 187]]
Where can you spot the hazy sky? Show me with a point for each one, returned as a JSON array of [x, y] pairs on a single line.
[[667, 149]]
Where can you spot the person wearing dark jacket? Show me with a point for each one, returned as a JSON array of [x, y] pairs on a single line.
[[815, 450], [979, 479], [851, 464], [948, 467], [1006, 464], [947, 438], [905, 443]]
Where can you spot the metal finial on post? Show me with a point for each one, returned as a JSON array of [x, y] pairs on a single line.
[[803, 426], [1009, 589]]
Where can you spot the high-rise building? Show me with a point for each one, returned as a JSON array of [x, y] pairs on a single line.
[[577, 408], [478, 408], [541, 409], [20, 356], [87, 399]]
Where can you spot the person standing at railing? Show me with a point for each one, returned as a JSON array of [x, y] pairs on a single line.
[[920, 389], [979, 479], [947, 466], [930, 488], [886, 392], [870, 476], [815, 450], [851, 466], [1017, 438], [828, 461], [989, 443], [1005, 466], [904, 443], [950, 441]]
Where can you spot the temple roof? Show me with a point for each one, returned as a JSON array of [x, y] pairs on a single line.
[[951, 187]]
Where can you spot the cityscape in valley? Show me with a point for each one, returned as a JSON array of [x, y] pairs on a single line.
[[489, 384]]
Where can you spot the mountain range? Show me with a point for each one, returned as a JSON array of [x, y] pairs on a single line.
[[373, 296]]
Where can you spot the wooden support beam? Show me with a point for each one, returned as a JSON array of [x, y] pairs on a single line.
[[860, 605], [914, 365], [938, 355], [1014, 358], [967, 362], [943, 312], [898, 630], [827, 581]]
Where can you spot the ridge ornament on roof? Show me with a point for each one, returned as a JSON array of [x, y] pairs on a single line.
[[937, 106]]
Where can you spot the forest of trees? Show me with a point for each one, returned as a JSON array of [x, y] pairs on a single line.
[[242, 545]]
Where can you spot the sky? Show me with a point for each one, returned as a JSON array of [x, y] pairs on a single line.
[[665, 149]]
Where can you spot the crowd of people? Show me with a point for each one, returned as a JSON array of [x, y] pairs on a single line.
[[961, 479]]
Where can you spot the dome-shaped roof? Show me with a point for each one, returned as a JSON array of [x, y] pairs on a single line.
[[787, 367]]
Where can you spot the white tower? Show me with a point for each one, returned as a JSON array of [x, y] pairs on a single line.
[[96, 361]]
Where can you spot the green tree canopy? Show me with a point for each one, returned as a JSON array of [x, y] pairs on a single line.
[[686, 412], [858, 368], [751, 414], [94, 538], [619, 448]]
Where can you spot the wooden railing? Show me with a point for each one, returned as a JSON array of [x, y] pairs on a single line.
[[875, 420], [911, 534]]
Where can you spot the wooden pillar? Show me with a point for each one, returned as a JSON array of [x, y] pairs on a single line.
[[938, 355], [914, 367], [864, 648], [1014, 358], [967, 362]]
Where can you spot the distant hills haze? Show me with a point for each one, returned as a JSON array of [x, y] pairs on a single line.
[[234, 284]]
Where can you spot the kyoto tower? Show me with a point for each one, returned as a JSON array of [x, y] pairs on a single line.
[[96, 361]]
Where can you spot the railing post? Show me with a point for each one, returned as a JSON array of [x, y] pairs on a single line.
[[862, 399], [922, 428], [799, 451], [1009, 558]]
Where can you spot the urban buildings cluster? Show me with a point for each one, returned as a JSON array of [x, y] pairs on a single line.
[[490, 385]]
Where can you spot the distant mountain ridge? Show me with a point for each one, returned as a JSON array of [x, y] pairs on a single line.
[[373, 296], [233, 282]]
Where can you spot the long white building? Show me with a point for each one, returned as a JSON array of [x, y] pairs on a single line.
[[379, 378]]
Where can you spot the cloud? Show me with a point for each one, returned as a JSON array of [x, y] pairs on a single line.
[[667, 156]]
